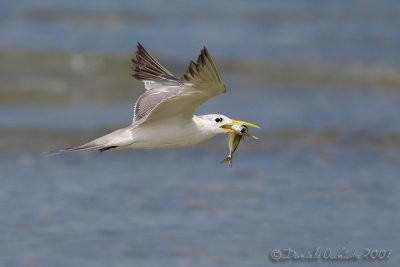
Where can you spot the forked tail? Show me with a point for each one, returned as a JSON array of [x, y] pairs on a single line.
[[229, 159], [101, 148], [121, 137]]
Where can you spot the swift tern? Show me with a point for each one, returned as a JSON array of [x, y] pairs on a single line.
[[164, 113]]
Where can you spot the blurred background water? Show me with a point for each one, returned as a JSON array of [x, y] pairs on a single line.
[[322, 78]]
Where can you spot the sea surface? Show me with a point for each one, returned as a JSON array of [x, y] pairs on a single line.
[[321, 79]]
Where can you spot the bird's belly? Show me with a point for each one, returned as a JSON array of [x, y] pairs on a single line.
[[168, 137]]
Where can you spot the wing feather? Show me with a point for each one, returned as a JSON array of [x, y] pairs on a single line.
[[168, 98], [146, 68], [149, 100]]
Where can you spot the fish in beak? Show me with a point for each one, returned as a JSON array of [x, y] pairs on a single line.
[[236, 122], [234, 139]]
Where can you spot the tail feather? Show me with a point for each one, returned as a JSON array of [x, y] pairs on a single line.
[[83, 147], [72, 149], [118, 138]]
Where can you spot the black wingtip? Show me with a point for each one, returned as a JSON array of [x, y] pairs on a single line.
[[140, 51], [146, 67]]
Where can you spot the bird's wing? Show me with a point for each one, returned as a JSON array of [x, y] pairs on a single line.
[[168, 98], [158, 81]]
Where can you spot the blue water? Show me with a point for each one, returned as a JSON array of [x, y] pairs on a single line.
[[181, 207], [316, 31], [324, 174], [145, 209]]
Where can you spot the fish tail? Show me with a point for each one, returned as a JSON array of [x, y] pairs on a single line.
[[229, 159]]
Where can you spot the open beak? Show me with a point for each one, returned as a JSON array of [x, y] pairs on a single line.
[[235, 122]]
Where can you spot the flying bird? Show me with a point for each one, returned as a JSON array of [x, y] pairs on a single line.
[[164, 113]]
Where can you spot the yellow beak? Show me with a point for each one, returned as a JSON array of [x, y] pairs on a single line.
[[235, 122]]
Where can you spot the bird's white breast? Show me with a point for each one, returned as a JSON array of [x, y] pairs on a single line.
[[170, 135]]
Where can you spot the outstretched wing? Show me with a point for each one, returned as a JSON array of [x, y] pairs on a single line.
[[167, 97], [158, 81]]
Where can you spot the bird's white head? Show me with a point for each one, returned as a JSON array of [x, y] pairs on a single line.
[[218, 123]]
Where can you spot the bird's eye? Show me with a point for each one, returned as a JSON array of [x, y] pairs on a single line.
[[218, 119]]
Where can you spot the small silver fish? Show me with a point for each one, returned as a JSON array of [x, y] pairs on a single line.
[[238, 131]]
